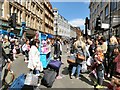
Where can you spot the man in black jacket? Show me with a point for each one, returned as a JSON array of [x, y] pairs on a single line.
[[57, 51]]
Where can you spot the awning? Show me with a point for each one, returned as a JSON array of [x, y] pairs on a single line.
[[12, 34], [43, 36], [3, 32], [50, 36]]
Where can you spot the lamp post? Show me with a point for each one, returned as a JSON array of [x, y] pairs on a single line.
[[109, 35], [86, 27], [56, 28]]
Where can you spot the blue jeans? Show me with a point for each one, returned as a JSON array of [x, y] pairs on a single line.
[[100, 74], [78, 67]]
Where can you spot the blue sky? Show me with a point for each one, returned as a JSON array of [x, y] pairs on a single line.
[[74, 12]]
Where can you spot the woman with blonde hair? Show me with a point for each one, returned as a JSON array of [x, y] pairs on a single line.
[[99, 57], [79, 47], [113, 45]]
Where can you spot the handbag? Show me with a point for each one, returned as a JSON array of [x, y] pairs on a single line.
[[71, 59], [7, 77], [81, 57], [55, 64], [31, 79]]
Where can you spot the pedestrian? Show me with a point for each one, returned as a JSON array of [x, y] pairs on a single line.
[[99, 57], [104, 46], [67, 46], [6, 47], [14, 52], [26, 48], [115, 81], [6, 62], [91, 47], [57, 49], [79, 46], [115, 53], [112, 45], [34, 63]]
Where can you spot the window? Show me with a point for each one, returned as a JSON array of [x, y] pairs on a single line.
[[101, 4], [10, 9], [95, 11], [113, 5], [101, 15], [1, 9], [106, 10], [28, 20], [97, 8], [17, 16]]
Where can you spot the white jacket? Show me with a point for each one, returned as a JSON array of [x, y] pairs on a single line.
[[34, 59]]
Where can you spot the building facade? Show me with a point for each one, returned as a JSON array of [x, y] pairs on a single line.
[[31, 12], [61, 25], [48, 17], [103, 9], [73, 32]]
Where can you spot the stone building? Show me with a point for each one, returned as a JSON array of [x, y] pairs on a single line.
[[103, 9], [32, 12]]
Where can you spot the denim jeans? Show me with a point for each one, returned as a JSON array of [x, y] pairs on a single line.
[[100, 74], [78, 67]]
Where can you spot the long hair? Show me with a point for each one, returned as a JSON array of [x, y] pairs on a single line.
[[79, 42], [113, 40]]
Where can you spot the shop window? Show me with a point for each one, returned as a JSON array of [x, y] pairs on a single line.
[[113, 5], [106, 10]]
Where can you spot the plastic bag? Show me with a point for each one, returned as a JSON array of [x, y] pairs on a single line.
[[84, 67], [89, 61]]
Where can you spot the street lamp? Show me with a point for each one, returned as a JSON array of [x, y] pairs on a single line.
[[56, 28]]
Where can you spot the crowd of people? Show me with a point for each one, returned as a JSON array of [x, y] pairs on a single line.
[[102, 58]]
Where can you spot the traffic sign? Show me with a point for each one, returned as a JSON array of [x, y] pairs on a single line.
[[105, 25]]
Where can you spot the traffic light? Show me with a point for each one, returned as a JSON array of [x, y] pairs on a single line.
[[98, 23], [12, 20], [87, 26]]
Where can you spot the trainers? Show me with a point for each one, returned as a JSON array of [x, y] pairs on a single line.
[[99, 86], [72, 77], [58, 77], [77, 77], [38, 84]]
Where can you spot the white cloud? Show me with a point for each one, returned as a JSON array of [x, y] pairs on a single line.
[[79, 22]]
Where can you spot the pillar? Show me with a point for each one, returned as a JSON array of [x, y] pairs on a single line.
[[6, 9]]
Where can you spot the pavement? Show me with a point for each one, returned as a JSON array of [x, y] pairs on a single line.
[[19, 67]]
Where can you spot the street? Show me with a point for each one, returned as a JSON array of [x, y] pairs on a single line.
[[19, 67], [88, 31]]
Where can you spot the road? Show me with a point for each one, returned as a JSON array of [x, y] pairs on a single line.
[[19, 67]]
